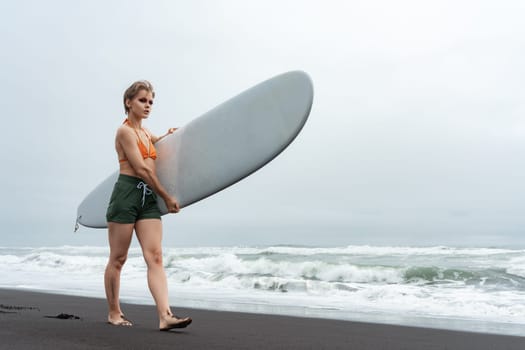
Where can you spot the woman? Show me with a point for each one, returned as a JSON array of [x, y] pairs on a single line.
[[133, 206]]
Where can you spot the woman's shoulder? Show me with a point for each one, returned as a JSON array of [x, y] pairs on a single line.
[[124, 131]]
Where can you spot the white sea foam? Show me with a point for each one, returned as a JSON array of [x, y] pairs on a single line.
[[481, 284]]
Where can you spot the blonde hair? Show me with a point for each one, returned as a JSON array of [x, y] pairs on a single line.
[[134, 89]]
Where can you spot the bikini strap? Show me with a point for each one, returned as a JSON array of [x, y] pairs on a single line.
[[126, 121]]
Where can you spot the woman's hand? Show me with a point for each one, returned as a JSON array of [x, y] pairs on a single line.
[[171, 131], [172, 205]]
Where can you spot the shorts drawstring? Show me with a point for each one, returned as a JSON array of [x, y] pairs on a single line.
[[146, 191]]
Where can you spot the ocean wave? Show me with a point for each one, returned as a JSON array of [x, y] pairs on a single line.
[[388, 251], [464, 282]]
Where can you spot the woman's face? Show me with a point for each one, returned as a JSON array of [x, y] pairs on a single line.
[[141, 104]]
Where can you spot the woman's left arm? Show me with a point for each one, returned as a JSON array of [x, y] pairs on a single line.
[[156, 139]]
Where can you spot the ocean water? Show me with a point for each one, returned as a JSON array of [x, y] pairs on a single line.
[[477, 289]]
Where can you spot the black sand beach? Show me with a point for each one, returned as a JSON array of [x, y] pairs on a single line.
[[24, 325]]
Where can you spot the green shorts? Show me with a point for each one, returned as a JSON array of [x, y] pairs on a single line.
[[131, 201]]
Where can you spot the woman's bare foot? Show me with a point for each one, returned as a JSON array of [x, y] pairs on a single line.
[[119, 320], [171, 321]]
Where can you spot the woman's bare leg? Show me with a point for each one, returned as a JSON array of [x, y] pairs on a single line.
[[149, 234], [119, 236]]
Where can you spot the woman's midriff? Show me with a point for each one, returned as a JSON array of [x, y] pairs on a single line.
[[126, 169]]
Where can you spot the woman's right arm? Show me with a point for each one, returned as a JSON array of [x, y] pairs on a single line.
[[128, 143]]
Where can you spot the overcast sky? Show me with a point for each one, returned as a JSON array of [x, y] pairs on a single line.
[[416, 136]]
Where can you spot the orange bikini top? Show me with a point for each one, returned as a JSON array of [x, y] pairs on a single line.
[[147, 152]]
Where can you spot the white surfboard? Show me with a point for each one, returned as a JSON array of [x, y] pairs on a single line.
[[222, 146]]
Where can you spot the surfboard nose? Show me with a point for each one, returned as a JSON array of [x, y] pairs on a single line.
[[294, 100]]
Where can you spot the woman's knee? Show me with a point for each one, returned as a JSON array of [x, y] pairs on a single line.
[[118, 261], [153, 257]]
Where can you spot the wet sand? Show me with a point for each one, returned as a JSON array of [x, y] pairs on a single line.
[[24, 325]]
